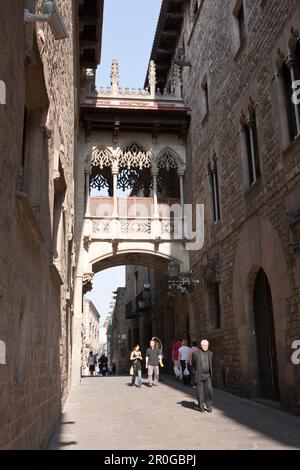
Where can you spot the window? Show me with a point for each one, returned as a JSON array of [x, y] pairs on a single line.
[[204, 97], [59, 219], [251, 143], [239, 25], [21, 347], [136, 283], [290, 72], [214, 187], [194, 10], [213, 289]]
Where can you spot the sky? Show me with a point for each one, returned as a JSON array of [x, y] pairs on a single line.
[[128, 34]]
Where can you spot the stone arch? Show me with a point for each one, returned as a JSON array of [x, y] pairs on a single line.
[[157, 261], [134, 154], [99, 166], [168, 158], [259, 247], [100, 157]]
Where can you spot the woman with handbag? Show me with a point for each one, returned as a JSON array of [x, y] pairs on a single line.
[[136, 365]]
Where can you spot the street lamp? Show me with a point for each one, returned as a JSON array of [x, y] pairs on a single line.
[[183, 282]]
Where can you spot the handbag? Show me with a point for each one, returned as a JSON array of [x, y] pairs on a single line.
[[186, 371], [131, 371]]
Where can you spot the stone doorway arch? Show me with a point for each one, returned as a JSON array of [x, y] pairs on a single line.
[[259, 247], [99, 258]]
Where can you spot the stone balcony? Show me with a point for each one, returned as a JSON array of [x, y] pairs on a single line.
[[134, 218]]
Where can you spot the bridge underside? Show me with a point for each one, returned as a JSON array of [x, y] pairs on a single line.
[[135, 258]]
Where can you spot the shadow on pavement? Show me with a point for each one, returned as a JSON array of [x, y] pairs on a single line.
[[187, 404], [275, 424]]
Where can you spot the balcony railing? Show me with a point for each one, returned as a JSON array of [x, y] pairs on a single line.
[[134, 218], [130, 207]]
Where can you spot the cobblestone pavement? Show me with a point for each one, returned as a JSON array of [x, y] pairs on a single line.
[[105, 413]]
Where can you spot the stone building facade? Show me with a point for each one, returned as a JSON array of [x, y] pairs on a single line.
[[90, 330], [119, 339], [38, 137], [239, 59]]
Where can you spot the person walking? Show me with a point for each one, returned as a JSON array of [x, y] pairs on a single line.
[[153, 357], [175, 359], [91, 363], [190, 365], [136, 363], [103, 363], [202, 363], [183, 355]]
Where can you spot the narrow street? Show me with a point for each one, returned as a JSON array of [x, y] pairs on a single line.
[[105, 413]]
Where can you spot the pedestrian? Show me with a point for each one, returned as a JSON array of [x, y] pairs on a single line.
[[136, 364], [190, 365], [153, 357], [103, 363], [175, 359], [202, 363], [158, 344], [91, 363], [114, 367], [183, 356]]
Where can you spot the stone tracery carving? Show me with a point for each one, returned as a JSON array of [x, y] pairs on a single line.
[[101, 157], [167, 160], [134, 155]]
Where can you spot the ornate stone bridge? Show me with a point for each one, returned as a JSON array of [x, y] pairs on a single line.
[[130, 175]]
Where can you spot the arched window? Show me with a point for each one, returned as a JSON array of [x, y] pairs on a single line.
[[214, 189], [289, 72], [101, 174], [134, 163], [249, 129], [168, 181]]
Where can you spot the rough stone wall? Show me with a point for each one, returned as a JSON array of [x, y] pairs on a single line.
[[35, 321], [232, 78]]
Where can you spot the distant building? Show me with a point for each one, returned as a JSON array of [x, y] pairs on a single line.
[[103, 340], [90, 330], [119, 336]]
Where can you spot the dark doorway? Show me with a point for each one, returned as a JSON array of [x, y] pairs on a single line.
[[265, 338]]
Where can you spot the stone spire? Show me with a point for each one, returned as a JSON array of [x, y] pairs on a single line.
[[114, 76], [176, 82], [152, 78]]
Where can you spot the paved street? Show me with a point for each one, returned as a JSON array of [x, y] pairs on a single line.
[[105, 413]]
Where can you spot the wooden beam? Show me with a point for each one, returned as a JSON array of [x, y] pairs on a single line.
[[165, 50], [170, 33], [88, 20], [174, 16]]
